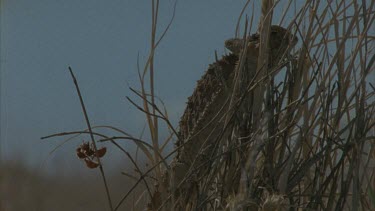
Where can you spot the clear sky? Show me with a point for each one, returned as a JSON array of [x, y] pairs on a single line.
[[100, 40]]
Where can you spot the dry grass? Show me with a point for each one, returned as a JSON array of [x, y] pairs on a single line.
[[310, 140]]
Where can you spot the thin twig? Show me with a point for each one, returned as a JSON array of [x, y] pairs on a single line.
[[92, 138]]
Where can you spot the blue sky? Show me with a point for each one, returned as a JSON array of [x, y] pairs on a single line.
[[100, 40]]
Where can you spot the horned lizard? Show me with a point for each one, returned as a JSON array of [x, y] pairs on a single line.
[[216, 84], [202, 120]]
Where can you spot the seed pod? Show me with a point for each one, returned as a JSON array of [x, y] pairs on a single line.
[[80, 154], [101, 152], [91, 164]]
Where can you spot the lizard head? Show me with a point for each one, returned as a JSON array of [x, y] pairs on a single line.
[[281, 41]]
